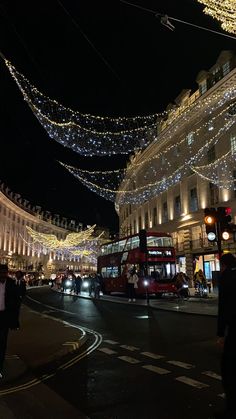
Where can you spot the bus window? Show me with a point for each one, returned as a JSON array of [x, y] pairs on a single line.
[[128, 244], [153, 241], [167, 242], [135, 242], [110, 272], [115, 247], [121, 245]]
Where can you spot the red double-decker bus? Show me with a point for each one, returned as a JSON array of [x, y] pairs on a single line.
[[155, 267]]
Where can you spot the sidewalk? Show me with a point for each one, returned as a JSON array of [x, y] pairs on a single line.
[[34, 346]]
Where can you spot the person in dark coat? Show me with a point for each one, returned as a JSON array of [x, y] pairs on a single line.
[[78, 283], [226, 332], [21, 284], [9, 310]]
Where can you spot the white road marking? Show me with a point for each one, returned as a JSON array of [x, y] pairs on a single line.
[[158, 370], [112, 342], [151, 355], [129, 348], [191, 382], [75, 345], [107, 351], [181, 364], [212, 375], [129, 359]]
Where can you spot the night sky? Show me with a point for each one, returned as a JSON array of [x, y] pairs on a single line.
[[100, 57]]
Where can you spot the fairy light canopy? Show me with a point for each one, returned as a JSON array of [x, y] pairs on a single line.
[[148, 175], [222, 10], [86, 134]]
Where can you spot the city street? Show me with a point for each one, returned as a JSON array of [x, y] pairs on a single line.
[[134, 361]]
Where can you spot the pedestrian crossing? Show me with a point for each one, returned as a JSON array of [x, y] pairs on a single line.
[[138, 358]]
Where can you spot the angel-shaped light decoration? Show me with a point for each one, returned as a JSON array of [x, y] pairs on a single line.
[[50, 241]]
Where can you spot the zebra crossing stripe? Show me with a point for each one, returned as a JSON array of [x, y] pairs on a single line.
[[151, 355], [129, 348], [191, 382], [158, 370], [181, 364], [112, 342], [212, 375], [107, 351], [129, 359]]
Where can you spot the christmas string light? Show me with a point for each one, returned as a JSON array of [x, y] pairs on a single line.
[[109, 188], [220, 172], [223, 11], [86, 134], [118, 174]]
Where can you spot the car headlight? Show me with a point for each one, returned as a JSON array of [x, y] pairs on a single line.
[[68, 283], [85, 284], [145, 283]]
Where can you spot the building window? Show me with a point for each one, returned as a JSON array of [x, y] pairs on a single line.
[[190, 138], [211, 154], [164, 212], [177, 206], [214, 194], [154, 216], [226, 68], [193, 204], [203, 87], [233, 144]]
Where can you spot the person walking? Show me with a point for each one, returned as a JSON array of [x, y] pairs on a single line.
[[132, 283], [21, 284], [226, 331], [78, 283], [9, 310]]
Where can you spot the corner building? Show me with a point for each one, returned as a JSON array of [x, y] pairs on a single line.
[[189, 166], [16, 246]]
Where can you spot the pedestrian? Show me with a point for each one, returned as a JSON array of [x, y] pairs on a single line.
[[78, 283], [132, 284], [226, 332], [21, 284], [9, 310]]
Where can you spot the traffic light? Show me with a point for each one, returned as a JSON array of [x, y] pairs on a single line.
[[210, 220], [143, 240], [224, 220]]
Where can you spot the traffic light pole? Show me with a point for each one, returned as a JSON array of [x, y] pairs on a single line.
[[219, 239]]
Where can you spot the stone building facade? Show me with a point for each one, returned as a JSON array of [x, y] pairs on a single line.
[[16, 245], [189, 166]]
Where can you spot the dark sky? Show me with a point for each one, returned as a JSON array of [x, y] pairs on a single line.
[[58, 46]]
